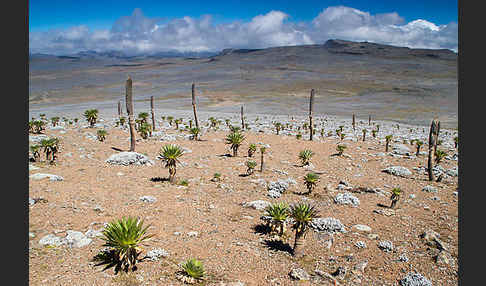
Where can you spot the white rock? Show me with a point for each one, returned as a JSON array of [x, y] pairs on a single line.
[[40, 176], [148, 199], [258, 205], [361, 227], [77, 239], [52, 240], [129, 158]]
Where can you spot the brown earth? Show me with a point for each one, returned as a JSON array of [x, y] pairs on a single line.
[[229, 242]]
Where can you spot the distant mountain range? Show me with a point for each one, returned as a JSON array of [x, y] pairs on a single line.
[[121, 55], [332, 46]]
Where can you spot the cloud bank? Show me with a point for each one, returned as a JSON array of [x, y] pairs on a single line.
[[137, 34]]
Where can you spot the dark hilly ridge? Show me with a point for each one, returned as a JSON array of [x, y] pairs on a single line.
[[359, 48]]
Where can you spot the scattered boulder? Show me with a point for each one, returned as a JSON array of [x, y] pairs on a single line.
[[36, 139], [361, 227], [360, 244], [454, 172], [77, 239], [398, 171], [386, 245], [346, 199], [148, 199], [52, 240], [401, 149], [429, 189], [129, 158], [276, 189], [299, 274], [403, 258], [328, 224], [91, 233], [40, 176], [192, 234], [444, 258], [432, 238], [258, 205], [415, 279], [167, 137], [156, 254]]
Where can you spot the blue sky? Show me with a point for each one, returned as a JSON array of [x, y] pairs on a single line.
[[80, 24]]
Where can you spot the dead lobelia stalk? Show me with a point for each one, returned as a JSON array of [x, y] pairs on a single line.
[[433, 135], [311, 107], [242, 119], [262, 151], [129, 103], [119, 109], [193, 93], [153, 114]]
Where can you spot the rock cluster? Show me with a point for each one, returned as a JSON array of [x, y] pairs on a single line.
[[415, 279], [276, 189], [398, 171], [129, 158], [346, 199], [328, 224]]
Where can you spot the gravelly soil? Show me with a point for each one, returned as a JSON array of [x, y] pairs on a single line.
[[230, 240]]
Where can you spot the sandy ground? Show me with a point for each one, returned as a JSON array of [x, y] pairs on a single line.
[[230, 242]]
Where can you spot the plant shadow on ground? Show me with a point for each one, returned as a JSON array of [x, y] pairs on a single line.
[[225, 155], [117, 149], [262, 229], [272, 244], [383, 206], [109, 258], [159, 179], [278, 245], [301, 193]]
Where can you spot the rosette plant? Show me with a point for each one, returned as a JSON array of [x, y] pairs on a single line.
[[278, 213], [310, 181], [91, 116], [170, 155], [145, 130], [302, 213], [305, 156], [194, 269], [251, 149], [195, 133], [101, 134], [250, 167], [125, 237], [395, 196], [340, 148], [235, 139]]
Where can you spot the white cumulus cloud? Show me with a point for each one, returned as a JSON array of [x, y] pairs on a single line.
[[136, 34]]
